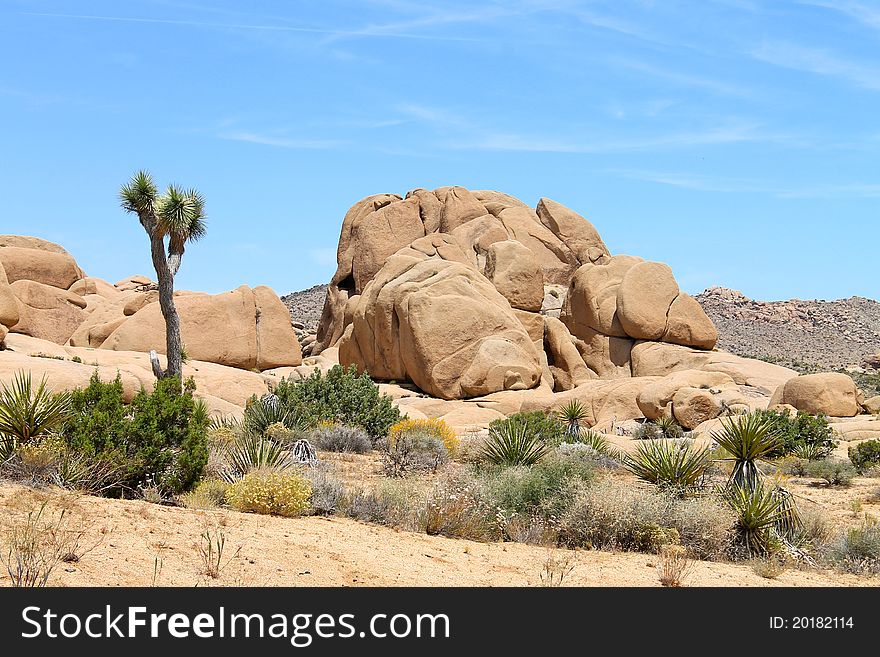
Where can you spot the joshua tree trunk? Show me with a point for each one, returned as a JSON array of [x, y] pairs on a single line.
[[166, 303]]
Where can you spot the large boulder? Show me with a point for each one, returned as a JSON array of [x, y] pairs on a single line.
[[826, 393], [246, 328], [515, 273], [28, 242], [659, 359], [48, 267], [564, 361], [591, 301], [577, 233], [8, 305], [47, 312], [441, 324], [691, 397]]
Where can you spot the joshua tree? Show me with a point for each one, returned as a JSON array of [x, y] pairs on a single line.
[[179, 216]]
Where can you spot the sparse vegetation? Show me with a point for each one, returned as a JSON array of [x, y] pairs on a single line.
[[430, 428], [340, 438], [539, 425], [832, 472], [413, 452], [271, 493], [674, 566], [28, 412]]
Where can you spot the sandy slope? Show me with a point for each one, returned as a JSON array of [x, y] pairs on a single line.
[[129, 536]]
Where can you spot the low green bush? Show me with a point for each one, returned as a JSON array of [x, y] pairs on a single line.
[[834, 473], [341, 396], [340, 438], [413, 452], [857, 549], [808, 434], [865, 456], [159, 438]]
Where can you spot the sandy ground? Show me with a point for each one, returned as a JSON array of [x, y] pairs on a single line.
[[136, 543]]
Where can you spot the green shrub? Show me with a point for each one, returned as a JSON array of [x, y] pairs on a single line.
[[340, 438], [808, 434], [539, 424], [270, 492], [456, 510], [834, 473], [545, 487], [669, 428], [671, 464], [340, 396], [160, 437], [758, 514], [571, 414], [865, 455]]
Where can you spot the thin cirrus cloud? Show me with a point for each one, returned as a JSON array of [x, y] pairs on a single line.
[[859, 11], [818, 61], [539, 144], [735, 185], [282, 142], [246, 26]]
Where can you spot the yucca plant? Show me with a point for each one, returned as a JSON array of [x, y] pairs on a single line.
[[668, 464], [758, 514], [571, 414], [254, 452], [510, 445], [260, 414], [668, 427], [28, 412], [747, 438]]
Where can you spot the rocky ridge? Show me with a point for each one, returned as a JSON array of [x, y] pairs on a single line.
[[803, 334]]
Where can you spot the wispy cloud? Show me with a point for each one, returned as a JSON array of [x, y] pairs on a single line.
[[818, 61], [737, 185], [542, 144], [863, 13], [431, 115], [681, 78], [281, 141], [245, 26]]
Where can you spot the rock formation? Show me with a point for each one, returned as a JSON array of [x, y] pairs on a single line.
[[458, 291]]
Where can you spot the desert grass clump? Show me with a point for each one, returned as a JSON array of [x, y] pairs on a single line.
[[340, 438], [432, 427], [209, 494], [857, 549], [837, 474], [769, 567], [271, 492], [35, 546], [514, 444], [616, 515], [543, 426], [555, 570], [328, 493], [674, 566], [211, 546], [675, 465], [457, 510], [392, 503], [413, 452]]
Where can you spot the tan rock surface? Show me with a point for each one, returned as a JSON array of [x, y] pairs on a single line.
[[827, 393], [47, 312], [48, 267]]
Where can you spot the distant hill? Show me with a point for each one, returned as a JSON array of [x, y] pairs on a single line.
[[305, 306], [804, 335]]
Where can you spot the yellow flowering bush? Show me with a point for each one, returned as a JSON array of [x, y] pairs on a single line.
[[433, 428], [270, 492]]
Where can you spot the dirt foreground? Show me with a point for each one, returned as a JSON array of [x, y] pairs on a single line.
[[136, 543]]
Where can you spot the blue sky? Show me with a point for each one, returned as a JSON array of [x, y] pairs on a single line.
[[737, 140]]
